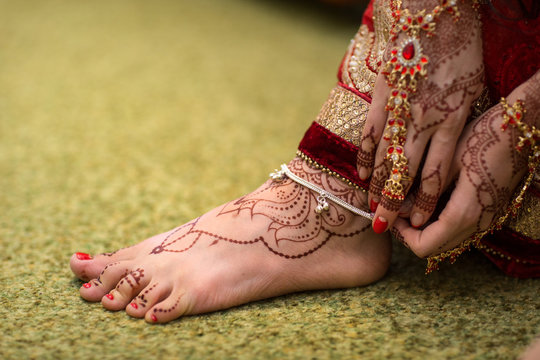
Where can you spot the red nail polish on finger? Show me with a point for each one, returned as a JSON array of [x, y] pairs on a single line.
[[154, 318], [110, 296], [373, 205], [380, 225], [134, 305], [83, 256], [86, 285]]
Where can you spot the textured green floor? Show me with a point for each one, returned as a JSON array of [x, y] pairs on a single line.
[[121, 119]]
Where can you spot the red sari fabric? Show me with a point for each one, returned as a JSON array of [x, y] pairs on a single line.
[[511, 56]]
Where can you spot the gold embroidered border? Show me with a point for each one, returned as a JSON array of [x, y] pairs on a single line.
[[355, 72], [326, 170], [344, 114], [527, 220]]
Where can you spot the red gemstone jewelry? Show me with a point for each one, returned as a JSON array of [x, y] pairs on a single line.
[[513, 116], [406, 66]]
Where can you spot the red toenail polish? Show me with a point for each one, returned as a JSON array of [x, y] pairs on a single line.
[[83, 256], [373, 205], [87, 285], [380, 225], [110, 296], [134, 305], [154, 318]]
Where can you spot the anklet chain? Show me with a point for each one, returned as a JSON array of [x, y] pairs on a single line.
[[323, 194]]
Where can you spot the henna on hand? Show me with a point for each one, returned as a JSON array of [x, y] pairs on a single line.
[[484, 188], [438, 108]]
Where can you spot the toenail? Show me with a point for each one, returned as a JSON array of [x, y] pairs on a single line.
[[86, 285], [380, 225], [154, 318], [110, 296], [134, 305], [83, 256]]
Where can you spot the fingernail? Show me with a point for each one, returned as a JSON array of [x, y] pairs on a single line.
[[373, 205], [380, 225], [83, 256], [154, 318], [417, 220], [110, 296], [363, 174], [134, 305], [86, 285]]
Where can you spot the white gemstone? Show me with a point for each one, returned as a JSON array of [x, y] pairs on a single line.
[[429, 17], [453, 2], [394, 130], [402, 20], [397, 101], [396, 177], [395, 157], [528, 134], [510, 112]]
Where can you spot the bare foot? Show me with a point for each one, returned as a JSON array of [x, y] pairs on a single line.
[[268, 243]]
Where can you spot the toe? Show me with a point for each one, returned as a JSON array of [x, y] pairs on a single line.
[[174, 306], [147, 298], [126, 289], [95, 289], [86, 266]]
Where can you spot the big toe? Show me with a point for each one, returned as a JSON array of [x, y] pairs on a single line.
[[87, 267]]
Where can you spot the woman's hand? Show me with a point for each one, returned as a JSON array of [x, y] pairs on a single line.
[[438, 110], [488, 169]]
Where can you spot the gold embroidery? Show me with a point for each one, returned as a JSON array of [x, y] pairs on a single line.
[[382, 23], [355, 71], [527, 220], [344, 114], [364, 56], [326, 170], [500, 254]]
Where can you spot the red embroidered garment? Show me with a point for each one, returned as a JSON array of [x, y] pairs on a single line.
[[511, 56]]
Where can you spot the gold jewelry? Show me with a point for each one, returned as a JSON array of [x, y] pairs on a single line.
[[406, 66], [512, 117]]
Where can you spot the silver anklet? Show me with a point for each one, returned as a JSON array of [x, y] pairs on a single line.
[[323, 195]]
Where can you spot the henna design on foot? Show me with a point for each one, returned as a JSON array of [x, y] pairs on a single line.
[[289, 211], [130, 276], [161, 310], [142, 300]]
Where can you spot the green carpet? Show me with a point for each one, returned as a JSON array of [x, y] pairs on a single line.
[[121, 119]]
